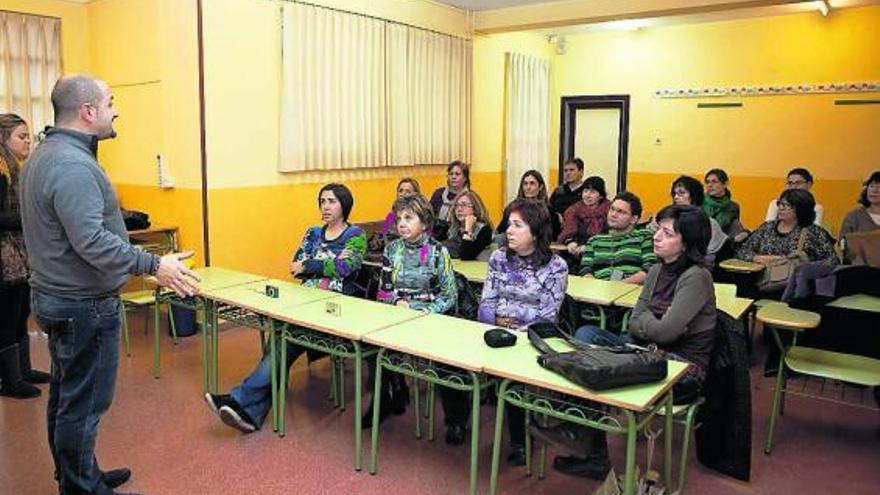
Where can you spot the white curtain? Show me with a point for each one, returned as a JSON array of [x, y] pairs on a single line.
[[30, 63], [528, 119], [333, 90], [359, 92]]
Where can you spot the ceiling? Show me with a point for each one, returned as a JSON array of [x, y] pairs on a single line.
[[490, 4]]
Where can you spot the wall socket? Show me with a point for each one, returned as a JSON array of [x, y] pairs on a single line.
[[165, 179]]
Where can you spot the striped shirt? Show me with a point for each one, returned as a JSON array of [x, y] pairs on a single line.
[[629, 254]]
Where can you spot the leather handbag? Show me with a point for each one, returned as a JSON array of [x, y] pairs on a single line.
[[777, 274], [599, 367]]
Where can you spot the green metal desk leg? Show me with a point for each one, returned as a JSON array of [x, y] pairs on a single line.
[[377, 404], [667, 438], [273, 370], [206, 363], [282, 388], [431, 406], [475, 431], [358, 436], [416, 406], [624, 325], [527, 421], [334, 387], [777, 391], [629, 477], [215, 329], [602, 323], [340, 381], [157, 371], [496, 444]]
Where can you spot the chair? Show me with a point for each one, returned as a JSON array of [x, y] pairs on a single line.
[[809, 361]]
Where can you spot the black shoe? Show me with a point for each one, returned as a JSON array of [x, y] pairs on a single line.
[[19, 390], [116, 477], [384, 412], [36, 377], [517, 456], [594, 467], [216, 401], [455, 434], [572, 438], [399, 394], [234, 416]]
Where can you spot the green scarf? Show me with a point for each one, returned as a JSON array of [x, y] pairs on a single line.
[[721, 209]]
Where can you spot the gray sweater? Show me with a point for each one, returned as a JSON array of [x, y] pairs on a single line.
[[76, 240], [687, 329]]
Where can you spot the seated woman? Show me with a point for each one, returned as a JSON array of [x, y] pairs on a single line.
[[328, 258], [531, 186], [458, 180], [778, 239], [797, 178], [586, 218], [406, 187], [525, 283], [417, 274], [675, 311], [719, 205], [688, 191], [470, 231], [866, 217]]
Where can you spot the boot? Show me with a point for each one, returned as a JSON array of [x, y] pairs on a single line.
[[11, 382], [399, 394], [29, 374], [385, 408]]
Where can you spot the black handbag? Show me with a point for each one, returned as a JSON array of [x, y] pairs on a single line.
[[602, 368]]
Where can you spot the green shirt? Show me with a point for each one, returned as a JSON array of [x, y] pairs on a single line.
[[629, 254]]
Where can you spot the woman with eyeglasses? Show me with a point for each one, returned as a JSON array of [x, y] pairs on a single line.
[[778, 239], [719, 206], [470, 230], [797, 178]]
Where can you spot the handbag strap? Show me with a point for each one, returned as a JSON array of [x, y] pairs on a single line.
[[539, 343], [802, 239]]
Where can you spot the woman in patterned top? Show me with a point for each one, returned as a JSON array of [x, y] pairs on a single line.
[[16, 375], [416, 274], [328, 258], [525, 283], [779, 239]]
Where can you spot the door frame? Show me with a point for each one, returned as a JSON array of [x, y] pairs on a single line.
[[567, 128]]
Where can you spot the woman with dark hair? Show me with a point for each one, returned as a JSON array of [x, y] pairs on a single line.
[[797, 178], [329, 257], [406, 187], [866, 216], [718, 205], [688, 191], [525, 283], [458, 180], [675, 312], [470, 230], [16, 375], [531, 186], [586, 218], [779, 239]]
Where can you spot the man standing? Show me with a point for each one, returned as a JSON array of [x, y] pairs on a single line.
[[80, 257]]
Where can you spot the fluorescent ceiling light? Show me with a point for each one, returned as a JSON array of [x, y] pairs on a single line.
[[624, 25]]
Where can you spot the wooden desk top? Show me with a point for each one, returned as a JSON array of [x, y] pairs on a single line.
[[724, 301], [474, 271], [740, 266], [444, 339], [601, 292], [781, 315], [253, 296], [356, 317], [859, 302], [519, 363]]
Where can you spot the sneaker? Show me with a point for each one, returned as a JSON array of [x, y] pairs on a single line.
[[574, 439], [216, 401], [593, 467], [232, 415]]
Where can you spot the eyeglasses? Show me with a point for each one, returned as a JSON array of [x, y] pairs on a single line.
[[795, 183], [464, 205], [783, 205]]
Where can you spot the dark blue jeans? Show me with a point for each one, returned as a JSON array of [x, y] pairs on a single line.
[[84, 347]]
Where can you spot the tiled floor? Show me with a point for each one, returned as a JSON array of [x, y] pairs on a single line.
[[175, 445]]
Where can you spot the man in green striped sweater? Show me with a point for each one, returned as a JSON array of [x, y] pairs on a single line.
[[625, 252]]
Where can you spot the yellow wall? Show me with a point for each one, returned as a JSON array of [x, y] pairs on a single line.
[[74, 28], [757, 143], [154, 78]]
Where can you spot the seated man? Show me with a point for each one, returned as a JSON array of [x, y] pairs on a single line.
[[624, 252]]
